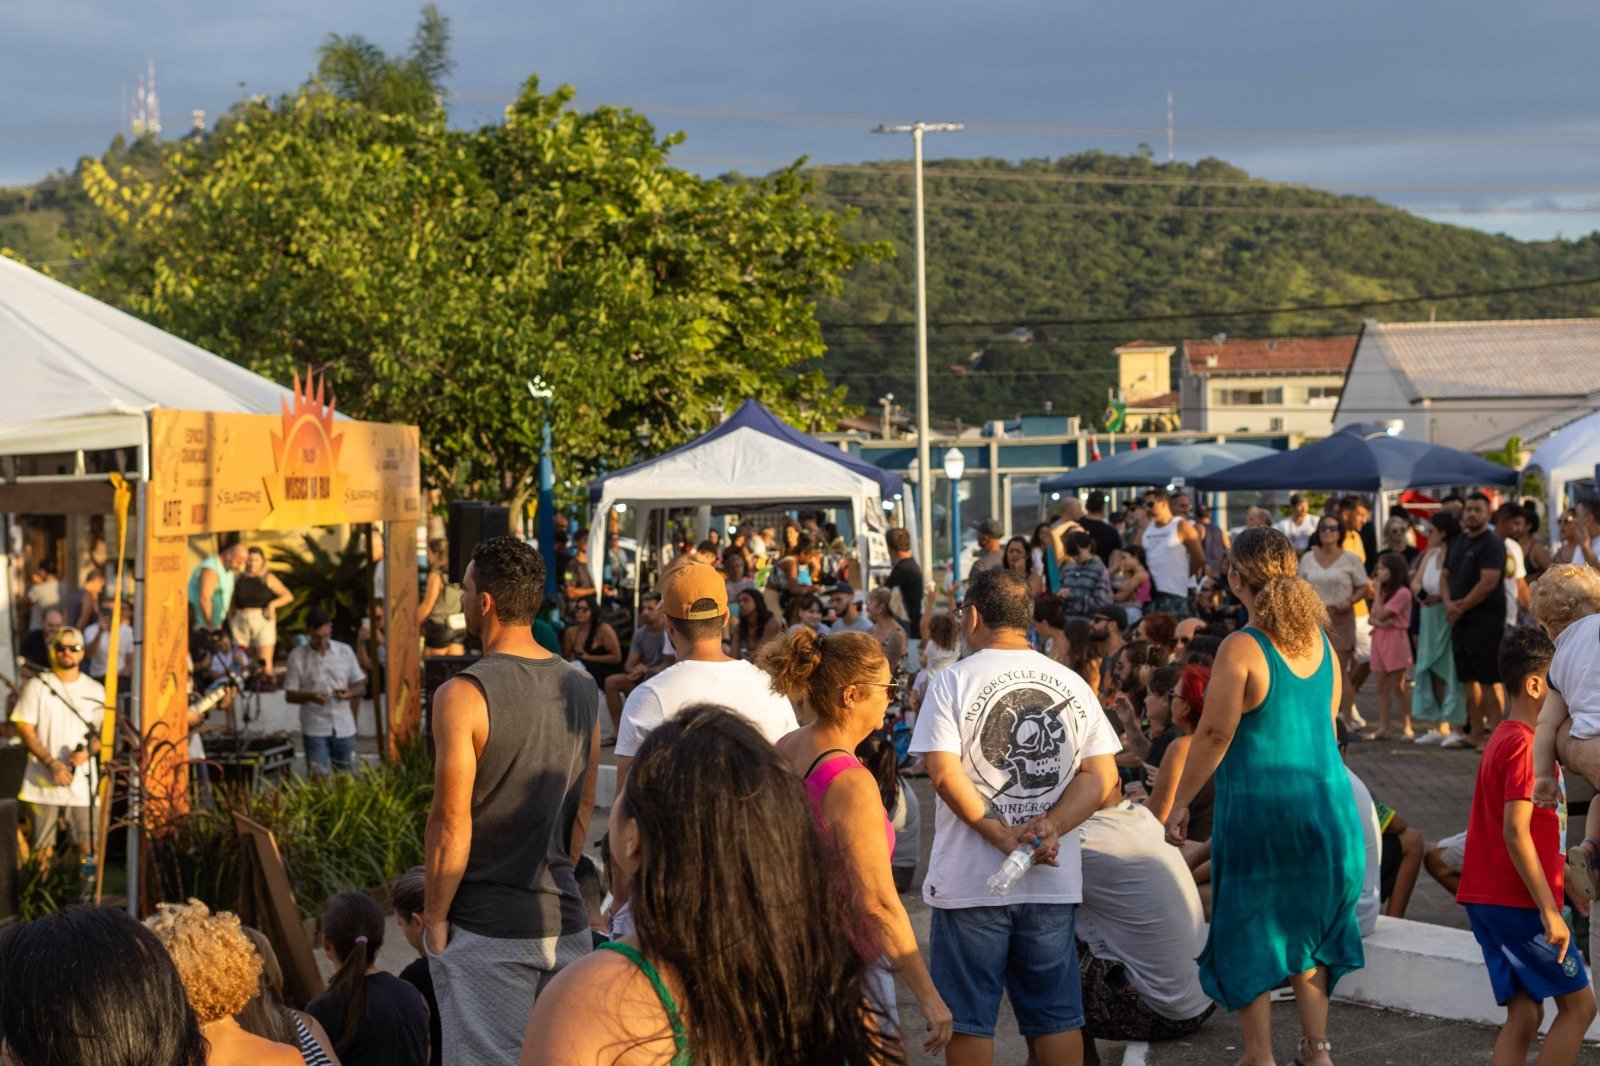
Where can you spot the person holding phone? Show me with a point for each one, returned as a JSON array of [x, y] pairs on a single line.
[[326, 680]]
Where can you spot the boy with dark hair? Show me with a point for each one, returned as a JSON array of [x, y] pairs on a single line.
[[1511, 879], [405, 895]]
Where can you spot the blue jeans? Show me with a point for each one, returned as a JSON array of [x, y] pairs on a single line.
[[1027, 950], [1170, 603], [320, 751]]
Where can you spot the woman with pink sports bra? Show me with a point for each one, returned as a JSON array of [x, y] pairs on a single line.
[[844, 680]]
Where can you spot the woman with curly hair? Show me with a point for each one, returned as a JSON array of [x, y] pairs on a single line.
[[749, 939], [1287, 856], [221, 973]]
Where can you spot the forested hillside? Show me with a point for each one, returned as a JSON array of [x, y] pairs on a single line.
[[1047, 244], [1098, 236]]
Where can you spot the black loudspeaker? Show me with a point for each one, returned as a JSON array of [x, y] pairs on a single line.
[[13, 767], [468, 524], [8, 859]]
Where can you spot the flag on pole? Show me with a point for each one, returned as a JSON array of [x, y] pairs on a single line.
[[1115, 416], [1094, 449], [1133, 444]]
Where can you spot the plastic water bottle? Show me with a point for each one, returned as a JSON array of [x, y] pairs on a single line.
[[1016, 864]]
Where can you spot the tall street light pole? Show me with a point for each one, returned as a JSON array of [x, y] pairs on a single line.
[[924, 498]]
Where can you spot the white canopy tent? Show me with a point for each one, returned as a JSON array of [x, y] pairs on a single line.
[[1568, 455], [81, 375], [753, 461]]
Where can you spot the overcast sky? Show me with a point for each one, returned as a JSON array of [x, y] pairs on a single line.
[[1492, 103]]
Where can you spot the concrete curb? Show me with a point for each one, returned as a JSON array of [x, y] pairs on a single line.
[[1430, 970]]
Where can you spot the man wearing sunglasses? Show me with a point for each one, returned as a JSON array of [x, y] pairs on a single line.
[[58, 717]]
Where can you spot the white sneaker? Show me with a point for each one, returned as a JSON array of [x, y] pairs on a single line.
[[1431, 737], [1455, 740]]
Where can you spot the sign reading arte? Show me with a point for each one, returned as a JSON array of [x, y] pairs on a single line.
[[223, 472], [228, 473]]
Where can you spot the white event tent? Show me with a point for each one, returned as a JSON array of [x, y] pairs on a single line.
[[82, 376], [754, 461], [1570, 454]]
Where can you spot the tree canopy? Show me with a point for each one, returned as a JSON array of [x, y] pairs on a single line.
[[431, 274]]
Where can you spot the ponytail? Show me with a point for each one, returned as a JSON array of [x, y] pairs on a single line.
[[353, 924], [877, 753], [816, 668], [1289, 611]]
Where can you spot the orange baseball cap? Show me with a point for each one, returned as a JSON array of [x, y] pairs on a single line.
[[684, 586]]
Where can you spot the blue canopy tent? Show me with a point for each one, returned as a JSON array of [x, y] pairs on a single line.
[[754, 461], [1156, 466], [1361, 457]]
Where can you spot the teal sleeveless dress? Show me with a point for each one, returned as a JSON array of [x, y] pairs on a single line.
[[1287, 857]]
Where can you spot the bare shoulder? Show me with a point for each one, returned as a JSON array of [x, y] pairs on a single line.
[[600, 1009], [248, 1047], [1240, 651]]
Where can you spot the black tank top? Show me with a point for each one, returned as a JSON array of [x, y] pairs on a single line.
[[519, 883], [251, 593]]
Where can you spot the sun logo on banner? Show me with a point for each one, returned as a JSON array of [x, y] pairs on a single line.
[[306, 488]]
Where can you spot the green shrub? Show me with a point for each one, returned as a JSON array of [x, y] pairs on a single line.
[[356, 830]]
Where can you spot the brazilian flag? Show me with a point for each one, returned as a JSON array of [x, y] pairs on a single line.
[[1115, 417]]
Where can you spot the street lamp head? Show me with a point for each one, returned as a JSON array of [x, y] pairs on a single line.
[[955, 464], [921, 127]]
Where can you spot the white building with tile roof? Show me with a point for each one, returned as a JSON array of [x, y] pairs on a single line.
[[1472, 385]]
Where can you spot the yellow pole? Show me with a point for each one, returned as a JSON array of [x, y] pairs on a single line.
[[122, 496]]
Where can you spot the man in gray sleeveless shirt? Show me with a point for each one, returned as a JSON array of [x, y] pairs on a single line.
[[517, 748]]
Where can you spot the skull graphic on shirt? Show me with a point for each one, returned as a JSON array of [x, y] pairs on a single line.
[[1021, 736]]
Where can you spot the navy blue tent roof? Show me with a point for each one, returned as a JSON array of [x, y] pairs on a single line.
[[1362, 457], [1156, 465], [753, 415]]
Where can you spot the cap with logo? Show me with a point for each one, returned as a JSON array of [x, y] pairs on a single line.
[[684, 586]]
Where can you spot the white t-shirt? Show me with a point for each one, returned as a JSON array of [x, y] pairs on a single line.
[[1575, 673], [1515, 568], [43, 704], [335, 669], [1141, 908], [1022, 724], [741, 686], [97, 665], [1299, 532], [1370, 905]]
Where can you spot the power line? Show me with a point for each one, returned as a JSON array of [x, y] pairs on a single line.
[[1563, 139], [1204, 209], [1243, 312], [935, 171]]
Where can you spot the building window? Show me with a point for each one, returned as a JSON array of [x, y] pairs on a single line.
[[1246, 397], [1323, 395]]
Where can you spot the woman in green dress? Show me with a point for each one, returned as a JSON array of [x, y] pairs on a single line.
[[1286, 848]]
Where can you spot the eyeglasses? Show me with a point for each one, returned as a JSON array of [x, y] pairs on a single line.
[[891, 689], [1175, 695], [69, 647], [1327, 529]]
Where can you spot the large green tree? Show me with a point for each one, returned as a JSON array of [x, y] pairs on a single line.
[[432, 273]]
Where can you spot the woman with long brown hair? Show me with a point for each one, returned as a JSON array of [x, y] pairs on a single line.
[[847, 684], [745, 949], [1286, 849]]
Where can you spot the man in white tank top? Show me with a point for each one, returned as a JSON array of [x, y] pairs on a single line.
[[1172, 555]]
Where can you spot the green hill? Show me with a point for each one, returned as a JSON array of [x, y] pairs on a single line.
[[1091, 236], [1098, 236]]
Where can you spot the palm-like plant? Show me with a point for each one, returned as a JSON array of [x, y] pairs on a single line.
[[337, 585], [353, 68]]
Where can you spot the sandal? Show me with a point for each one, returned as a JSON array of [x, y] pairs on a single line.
[[1580, 870], [1309, 1047]]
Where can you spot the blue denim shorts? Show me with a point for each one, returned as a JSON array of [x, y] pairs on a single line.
[[326, 754], [1027, 950]]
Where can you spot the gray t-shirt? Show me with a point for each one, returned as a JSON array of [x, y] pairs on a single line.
[[651, 644], [519, 883]]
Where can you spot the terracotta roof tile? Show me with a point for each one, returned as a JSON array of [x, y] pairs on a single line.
[[1270, 355]]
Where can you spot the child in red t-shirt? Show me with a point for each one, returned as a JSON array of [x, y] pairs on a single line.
[[1512, 874]]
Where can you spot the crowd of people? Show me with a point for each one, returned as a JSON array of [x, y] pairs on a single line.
[[1133, 723]]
